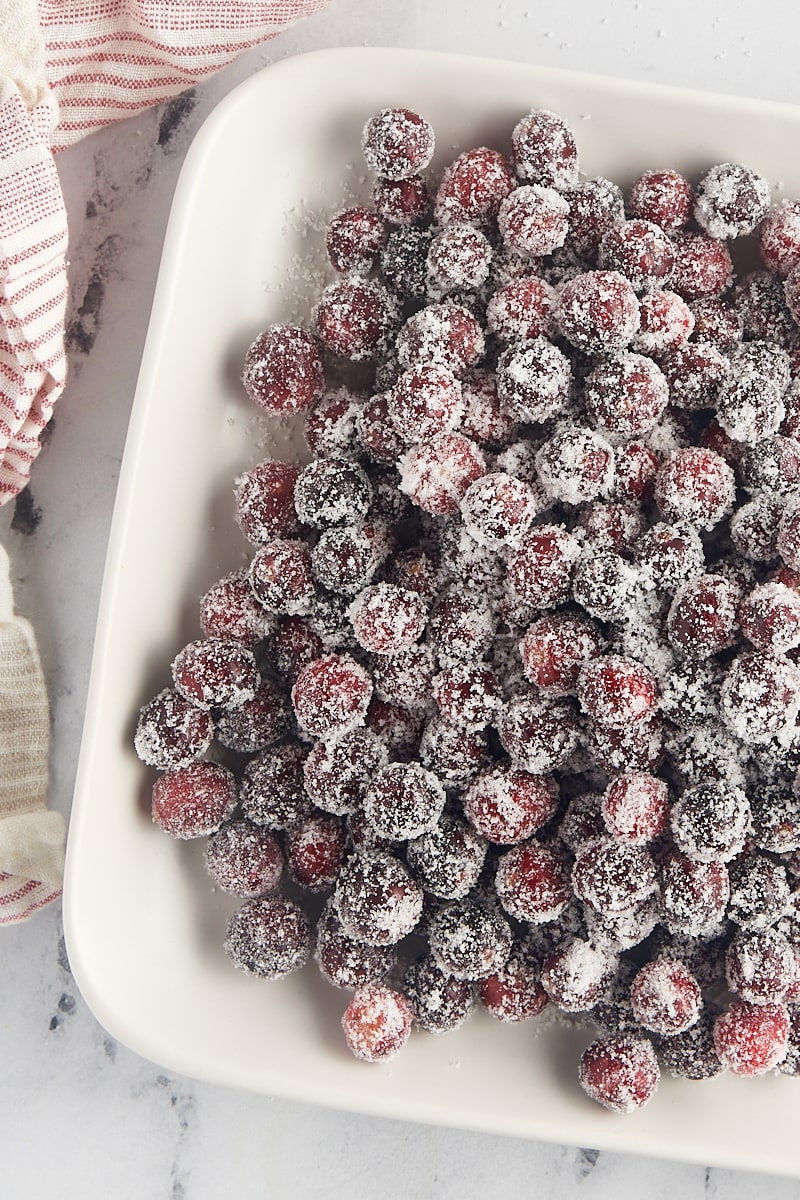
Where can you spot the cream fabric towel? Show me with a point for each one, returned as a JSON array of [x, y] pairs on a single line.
[[31, 837]]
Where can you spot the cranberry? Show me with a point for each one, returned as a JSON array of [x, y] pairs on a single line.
[[403, 801], [621, 1073], [626, 395], [696, 486], [354, 318], [611, 526], [544, 150], [751, 1039], [538, 734], [346, 558], [598, 312], [779, 237], [272, 791], [280, 576], [473, 187], [353, 239], [376, 431], [330, 492], [514, 992], [702, 266], [399, 729], [731, 200], [229, 610], [268, 937], [440, 1002], [446, 335], [532, 883], [533, 220], [522, 310], [693, 894], [636, 747], [397, 143], [540, 569], [766, 307], [294, 645], [776, 819], [401, 201], [315, 851], [265, 502], [577, 975], [665, 997], [534, 380], [193, 801], [215, 673], [283, 370], [702, 616], [425, 400], [576, 465], [243, 859], [595, 206], [761, 967], [406, 677], [760, 893], [447, 859], [377, 1023], [665, 321], [171, 731], [466, 695], [376, 899], [695, 372], [755, 529], [453, 753], [459, 257], [635, 807], [337, 772], [639, 250], [664, 197], [616, 690], [255, 723], [344, 962], [486, 419], [613, 876], [749, 406], [772, 465], [437, 473], [554, 649], [691, 1054], [404, 263], [461, 627], [635, 467], [468, 940], [330, 426], [711, 822], [770, 618], [498, 509], [760, 696], [331, 695], [507, 805]]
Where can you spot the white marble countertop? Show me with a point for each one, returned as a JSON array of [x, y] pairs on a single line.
[[80, 1114]]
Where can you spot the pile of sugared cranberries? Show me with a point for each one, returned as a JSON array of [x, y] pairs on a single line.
[[511, 679]]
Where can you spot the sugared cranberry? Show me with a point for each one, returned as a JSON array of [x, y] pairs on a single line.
[[486, 419], [716, 323], [468, 940], [514, 992], [665, 321], [538, 734], [331, 695], [473, 187], [354, 318], [498, 509], [664, 197], [616, 690], [439, 1001], [283, 370], [280, 576], [452, 752], [397, 143], [272, 792], [330, 426], [613, 876], [731, 200], [626, 395], [437, 473], [635, 747], [268, 937], [344, 962], [702, 616], [461, 627], [171, 731], [255, 723], [353, 239], [711, 822], [540, 569], [424, 401], [215, 673], [377, 1023], [770, 617], [621, 1073], [760, 696], [635, 807], [766, 307], [576, 465], [595, 206], [702, 266], [193, 801], [446, 335], [230, 610], [403, 801], [533, 220], [577, 975], [467, 694], [693, 894], [401, 201], [534, 380], [265, 502], [447, 859], [387, 619], [243, 859], [532, 883], [544, 150], [315, 851], [639, 250], [554, 649], [459, 258], [507, 805], [760, 893], [761, 967], [779, 237], [665, 997], [695, 485], [598, 312], [376, 899], [521, 310], [635, 467], [294, 645], [330, 491], [751, 1039]]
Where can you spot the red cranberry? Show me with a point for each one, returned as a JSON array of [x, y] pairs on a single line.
[[761, 967], [755, 529], [635, 467], [497, 509], [330, 491], [731, 200], [229, 610], [534, 380], [788, 541], [522, 310], [401, 201], [772, 465], [711, 822], [621, 1073], [636, 747], [453, 753], [466, 694], [376, 899], [751, 1039], [468, 940], [694, 371], [473, 187], [461, 627], [331, 695], [377, 1023], [354, 318], [576, 465], [696, 486], [577, 975], [446, 335], [616, 690], [459, 258], [265, 502], [338, 771], [354, 239], [540, 569], [598, 312], [294, 645], [613, 527], [664, 197], [425, 400], [243, 859], [283, 370], [544, 150], [397, 143], [702, 266], [330, 426], [403, 801], [626, 395], [215, 673], [538, 734], [639, 250], [447, 859], [635, 807], [280, 576], [766, 307], [507, 805], [194, 800], [437, 473], [171, 731], [716, 322], [702, 616], [346, 558], [613, 876], [439, 1001], [554, 649], [255, 723], [595, 206], [770, 618], [272, 791], [779, 237], [486, 419], [387, 619], [514, 993], [344, 962], [693, 894], [377, 432], [533, 220], [665, 997], [268, 937], [760, 696], [315, 851], [532, 884], [665, 321]]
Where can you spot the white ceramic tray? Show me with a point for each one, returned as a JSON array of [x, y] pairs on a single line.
[[244, 249]]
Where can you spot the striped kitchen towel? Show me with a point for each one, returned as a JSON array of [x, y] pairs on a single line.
[[68, 67]]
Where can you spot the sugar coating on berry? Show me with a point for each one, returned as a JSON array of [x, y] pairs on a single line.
[[576, 465], [635, 807], [696, 486], [437, 473], [447, 859], [353, 239], [283, 370], [507, 805], [751, 1039], [620, 1073], [665, 997], [193, 801], [533, 220], [522, 309], [532, 883], [731, 200], [331, 695], [440, 1002], [616, 690], [268, 937], [403, 801], [544, 150], [280, 576], [664, 197], [344, 962], [534, 380], [216, 673], [760, 696], [468, 940], [387, 619], [626, 395], [397, 143], [473, 187], [243, 859], [425, 400], [514, 992], [171, 731], [598, 312], [376, 899], [711, 821], [498, 509], [377, 1023], [613, 876], [229, 609], [354, 318]]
